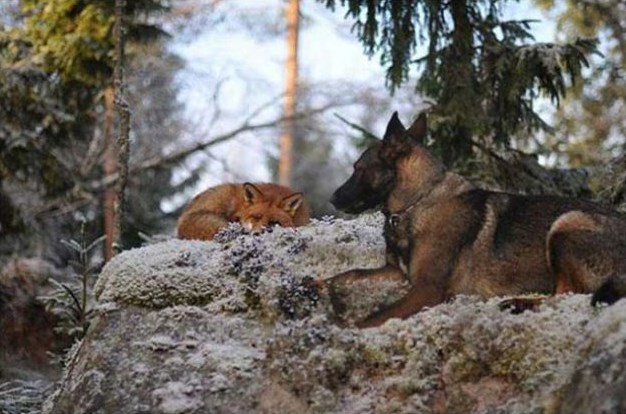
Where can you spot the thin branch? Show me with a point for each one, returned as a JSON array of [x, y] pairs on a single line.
[[156, 162], [359, 128], [215, 100], [86, 195], [58, 208], [506, 163]]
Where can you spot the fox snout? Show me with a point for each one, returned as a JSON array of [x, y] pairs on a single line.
[[255, 228]]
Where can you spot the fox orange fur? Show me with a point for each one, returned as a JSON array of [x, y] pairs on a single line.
[[255, 206]]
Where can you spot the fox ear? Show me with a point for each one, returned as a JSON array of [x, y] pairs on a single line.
[[417, 130], [394, 128], [291, 203], [251, 193]]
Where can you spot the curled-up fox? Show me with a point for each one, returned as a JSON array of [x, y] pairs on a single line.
[[255, 206]]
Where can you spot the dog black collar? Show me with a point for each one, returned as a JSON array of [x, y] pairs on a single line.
[[394, 219]]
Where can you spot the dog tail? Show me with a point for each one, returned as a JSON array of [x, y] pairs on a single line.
[[612, 290]]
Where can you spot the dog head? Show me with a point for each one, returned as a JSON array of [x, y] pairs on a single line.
[[374, 173]]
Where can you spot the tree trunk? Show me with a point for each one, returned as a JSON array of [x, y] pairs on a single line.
[[116, 153], [291, 91], [123, 112], [109, 168], [459, 94]]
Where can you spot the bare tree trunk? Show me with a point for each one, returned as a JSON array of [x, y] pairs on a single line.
[[109, 167], [116, 153], [460, 82], [123, 112], [291, 91]]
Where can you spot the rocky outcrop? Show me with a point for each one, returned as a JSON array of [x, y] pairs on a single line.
[[598, 382], [237, 325]]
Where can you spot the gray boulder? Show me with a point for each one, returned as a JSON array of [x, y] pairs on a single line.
[[237, 325]]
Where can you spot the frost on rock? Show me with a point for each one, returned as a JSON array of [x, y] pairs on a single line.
[[177, 360], [238, 325], [272, 271], [598, 384]]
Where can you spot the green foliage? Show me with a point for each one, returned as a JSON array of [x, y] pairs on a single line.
[[483, 72], [39, 114], [71, 38], [56, 59], [540, 70], [591, 125], [74, 37], [72, 302]]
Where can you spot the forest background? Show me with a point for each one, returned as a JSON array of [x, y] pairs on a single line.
[[524, 96]]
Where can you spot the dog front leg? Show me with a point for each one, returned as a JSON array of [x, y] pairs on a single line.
[[414, 301], [348, 281], [428, 274]]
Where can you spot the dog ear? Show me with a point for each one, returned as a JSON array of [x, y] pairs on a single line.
[[394, 128], [394, 141], [251, 194], [417, 130], [291, 203]]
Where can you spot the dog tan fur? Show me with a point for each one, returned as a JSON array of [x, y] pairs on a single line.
[[447, 237]]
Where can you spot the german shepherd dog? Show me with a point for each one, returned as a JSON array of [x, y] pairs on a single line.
[[447, 237]]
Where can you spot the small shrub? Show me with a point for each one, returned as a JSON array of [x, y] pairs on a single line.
[[72, 302]]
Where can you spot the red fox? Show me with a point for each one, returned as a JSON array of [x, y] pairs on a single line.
[[255, 206]]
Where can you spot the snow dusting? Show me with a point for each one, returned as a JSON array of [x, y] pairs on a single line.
[[239, 325]]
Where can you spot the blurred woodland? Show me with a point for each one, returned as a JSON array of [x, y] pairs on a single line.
[[514, 113]]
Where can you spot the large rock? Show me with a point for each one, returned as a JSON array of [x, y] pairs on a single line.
[[237, 326], [598, 384]]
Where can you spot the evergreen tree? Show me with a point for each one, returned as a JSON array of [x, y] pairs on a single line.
[[57, 61], [483, 73], [590, 126]]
